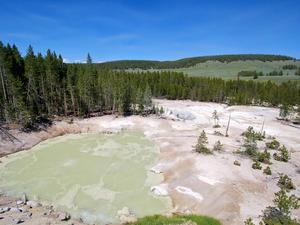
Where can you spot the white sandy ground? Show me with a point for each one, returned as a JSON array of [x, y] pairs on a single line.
[[210, 185]]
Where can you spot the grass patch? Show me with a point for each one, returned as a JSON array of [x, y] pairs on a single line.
[[231, 69], [176, 220]]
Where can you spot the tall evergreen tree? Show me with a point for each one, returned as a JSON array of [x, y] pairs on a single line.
[[89, 59]]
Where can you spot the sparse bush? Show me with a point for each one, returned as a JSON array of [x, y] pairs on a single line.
[[281, 213], [273, 216], [161, 110], [282, 155], [267, 171], [285, 182], [218, 146], [218, 133], [201, 144], [274, 144], [237, 163], [256, 165], [249, 222], [253, 135], [216, 119], [250, 147], [286, 203], [284, 111], [264, 157]]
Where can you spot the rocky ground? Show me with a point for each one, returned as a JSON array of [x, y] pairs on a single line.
[[21, 211], [204, 184]]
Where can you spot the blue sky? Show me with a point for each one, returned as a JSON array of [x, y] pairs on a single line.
[[160, 30]]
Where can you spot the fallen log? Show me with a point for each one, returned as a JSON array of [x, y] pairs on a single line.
[[5, 133]]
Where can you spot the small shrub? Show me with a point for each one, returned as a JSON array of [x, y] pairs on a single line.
[[249, 222], [285, 203], [285, 182], [218, 133], [256, 165], [274, 144], [282, 155], [284, 111], [201, 144], [267, 171], [250, 147], [161, 110], [264, 157], [237, 163], [280, 214], [215, 116], [273, 216], [253, 135], [218, 146]]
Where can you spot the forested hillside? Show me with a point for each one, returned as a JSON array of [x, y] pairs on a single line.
[[188, 62], [37, 85]]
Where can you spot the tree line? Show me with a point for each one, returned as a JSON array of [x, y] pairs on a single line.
[[255, 74], [188, 62], [37, 85], [289, 67]]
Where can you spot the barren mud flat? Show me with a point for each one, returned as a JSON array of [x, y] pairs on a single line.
[[204, 184]]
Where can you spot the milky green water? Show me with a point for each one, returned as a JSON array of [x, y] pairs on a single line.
[[92, 176]]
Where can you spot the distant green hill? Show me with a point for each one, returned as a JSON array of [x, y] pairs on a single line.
[[230, 70], [189, 62]]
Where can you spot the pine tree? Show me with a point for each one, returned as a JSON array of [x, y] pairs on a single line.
[[89, 59], [215, 116], [147, 101], [201, 144], [140, 100]]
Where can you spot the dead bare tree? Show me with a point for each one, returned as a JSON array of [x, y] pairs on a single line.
[[228, 125], [5, 133], [262, 127], [3, 84]]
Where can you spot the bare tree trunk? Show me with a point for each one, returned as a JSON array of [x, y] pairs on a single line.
[[228, 125], [114, 106], [3, 85], [44, 96], [65, 103], [73, 102], [6, 100], [262, 127]]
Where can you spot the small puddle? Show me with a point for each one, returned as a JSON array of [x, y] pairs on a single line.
[[91, 176]]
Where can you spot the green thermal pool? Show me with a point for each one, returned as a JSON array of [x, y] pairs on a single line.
[[91, 176]]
